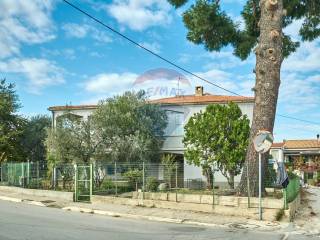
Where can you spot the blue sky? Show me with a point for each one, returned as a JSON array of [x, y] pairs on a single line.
[[56, 56]]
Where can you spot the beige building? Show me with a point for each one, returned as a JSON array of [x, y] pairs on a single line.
[[179, 109]]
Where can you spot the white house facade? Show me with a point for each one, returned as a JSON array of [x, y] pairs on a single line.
[[179, 110]]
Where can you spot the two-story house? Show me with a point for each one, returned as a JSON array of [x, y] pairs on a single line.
[[179, 109]]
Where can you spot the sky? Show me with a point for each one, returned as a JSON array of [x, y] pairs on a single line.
[[57, 56]]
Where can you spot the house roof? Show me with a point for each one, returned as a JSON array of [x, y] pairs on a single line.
[[298, 144], [277, 145], [72, 107], [205, 99], [185, 99]]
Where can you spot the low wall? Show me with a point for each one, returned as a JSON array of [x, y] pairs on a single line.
[[224, 205], [292, 208], [233, 201], [66, 196]]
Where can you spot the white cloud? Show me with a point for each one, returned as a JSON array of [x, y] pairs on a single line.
[[110, 83], [140, 14], [84, 30], [24, 22], [228, 80], [154, 46], [67, 53], [40, 72], [76, 30], [226, 60], [293, 29], [299, 93], [306, 58], [157, 83]]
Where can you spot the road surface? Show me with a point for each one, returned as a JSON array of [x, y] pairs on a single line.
[[19, 221]]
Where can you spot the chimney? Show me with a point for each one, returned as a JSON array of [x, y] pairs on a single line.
[[199, 91], [318, 137]]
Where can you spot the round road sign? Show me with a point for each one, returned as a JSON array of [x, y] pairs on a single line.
[[263, 141]]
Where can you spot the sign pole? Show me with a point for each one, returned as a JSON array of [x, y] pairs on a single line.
[[260, 190], [262, 143]]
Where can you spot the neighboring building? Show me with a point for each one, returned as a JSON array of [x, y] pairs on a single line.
[[179, 109], [303, 156]]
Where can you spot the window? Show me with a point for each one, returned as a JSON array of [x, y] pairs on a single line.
[[175, 124]]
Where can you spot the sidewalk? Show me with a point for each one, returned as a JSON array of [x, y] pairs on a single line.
[[308, 217], [152, 214]]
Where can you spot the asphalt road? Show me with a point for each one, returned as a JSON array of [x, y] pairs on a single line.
[[26, 222]]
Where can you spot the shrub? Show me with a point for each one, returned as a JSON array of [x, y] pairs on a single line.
[[292, 175], [134, 177], [107, 184], [152, 184]]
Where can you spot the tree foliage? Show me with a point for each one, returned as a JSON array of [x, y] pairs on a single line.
[[34, 135], [11, 124], [170, 165], [124, 128], [131, 127], [218, 137], [207, 24], [73, 140]]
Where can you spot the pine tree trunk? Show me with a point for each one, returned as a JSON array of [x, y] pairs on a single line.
[[268, 64]]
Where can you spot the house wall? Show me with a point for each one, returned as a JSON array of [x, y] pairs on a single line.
[[173, 141], [84, 113], [178, 116]]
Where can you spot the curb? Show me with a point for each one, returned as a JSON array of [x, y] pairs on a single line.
[[125, 215], [18, 200], [247, 225], [10, 199]]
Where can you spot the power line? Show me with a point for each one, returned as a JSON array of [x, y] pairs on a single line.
[[148, 50], [298, 119], [170, 62]]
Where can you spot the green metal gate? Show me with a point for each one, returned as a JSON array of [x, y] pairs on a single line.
[[83, 183]]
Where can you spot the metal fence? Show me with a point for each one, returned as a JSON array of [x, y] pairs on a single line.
[[28, 174], [121, 179], [126, 179]]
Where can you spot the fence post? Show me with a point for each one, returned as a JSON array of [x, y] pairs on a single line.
[[143, 183], [22, 173], [28, 173], [75, 183], [54, 177], [213, 187], [176, 181], [91, 180], [1, 166], [38, 174], [115, 177]]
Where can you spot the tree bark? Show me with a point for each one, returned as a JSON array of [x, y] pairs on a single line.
[[207, 172], [268, 63], [231, 180]]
